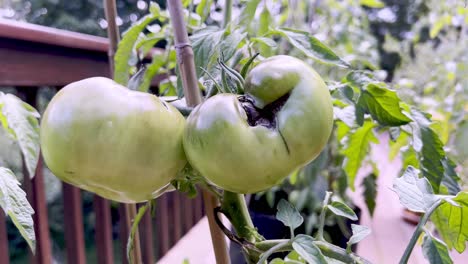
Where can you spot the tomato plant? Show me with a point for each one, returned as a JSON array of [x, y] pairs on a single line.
[[264, 120]]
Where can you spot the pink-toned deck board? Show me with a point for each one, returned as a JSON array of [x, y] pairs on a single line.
[[390, 234]]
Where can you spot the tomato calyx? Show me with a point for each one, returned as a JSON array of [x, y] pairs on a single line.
[[265, 116]]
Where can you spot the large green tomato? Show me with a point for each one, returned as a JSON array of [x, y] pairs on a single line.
[[249, 143], [120, 144]]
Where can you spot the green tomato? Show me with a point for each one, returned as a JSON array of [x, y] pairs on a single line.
[[104, 138], [250, 143]]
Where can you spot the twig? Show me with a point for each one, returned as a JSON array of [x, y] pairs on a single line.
[[192, 94], [322, 216], [414, 238]]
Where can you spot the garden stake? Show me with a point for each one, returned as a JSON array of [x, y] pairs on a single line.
[[186, 64]]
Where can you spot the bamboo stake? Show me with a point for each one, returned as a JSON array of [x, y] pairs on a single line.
[[186, 63], [129, 210]]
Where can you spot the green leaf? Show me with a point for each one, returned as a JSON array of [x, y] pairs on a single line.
[[205, 43], [146, 43], [370, 191], [397, 145], [125, 48], [167, 87], [451, 178], [277, 261], [372, 3], [359, 79], [264, 40], [311, 46], [410, 158], [341, 209], [394, 133], [231, 41], [359, 233], [134, 229], [294, 258], [13, 201], [341, 130], [435, 251], [265, 22], [21, 122], [432, 153], [346, 115], [415, 193], [247, 65], [150, 71], [248, 13], [289, 215], [452, 223], [357, 149], [203, 8], [136, 79], [383, 105], [305, 247]]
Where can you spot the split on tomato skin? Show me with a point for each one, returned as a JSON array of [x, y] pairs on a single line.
[[250, 143], [120, 144]]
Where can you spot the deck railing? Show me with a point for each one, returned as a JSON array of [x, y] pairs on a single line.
[[33, 56]]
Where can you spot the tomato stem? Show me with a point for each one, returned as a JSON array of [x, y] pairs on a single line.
[[404, 259], [322, 216], [327, 249], [235, 208]]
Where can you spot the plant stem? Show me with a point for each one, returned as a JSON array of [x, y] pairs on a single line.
[[129, 210], [186, 63], [227, 12], [278, 247], [235, 209], [419, 228], [322, 216], [327, 249]]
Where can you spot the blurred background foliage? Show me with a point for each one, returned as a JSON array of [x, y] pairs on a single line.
[[419, 46]]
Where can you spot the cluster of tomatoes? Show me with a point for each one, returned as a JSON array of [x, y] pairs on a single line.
[[127, 146]]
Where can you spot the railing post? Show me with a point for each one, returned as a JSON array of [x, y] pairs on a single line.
[[146, 235], [103, 230], [36, 196], [162, 224], [73, 217]]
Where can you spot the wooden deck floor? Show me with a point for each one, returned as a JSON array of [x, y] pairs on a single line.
[[390, 233]]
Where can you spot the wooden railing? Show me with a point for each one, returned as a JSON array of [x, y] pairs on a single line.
[[33, 56]]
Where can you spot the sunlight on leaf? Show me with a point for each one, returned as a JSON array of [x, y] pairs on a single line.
[[311, 46], [341, 209], [13, 201], [359, 233], [305, 247], [415, 193], [22, 123], [289, 215]]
